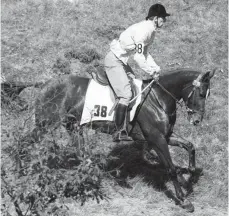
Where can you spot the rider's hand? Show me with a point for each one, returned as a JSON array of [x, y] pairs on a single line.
[[155, 75], [131, 76]]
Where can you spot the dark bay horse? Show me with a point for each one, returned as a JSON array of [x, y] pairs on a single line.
[[61, 103]]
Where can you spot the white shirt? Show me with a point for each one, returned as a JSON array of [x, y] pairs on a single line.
[[135, 40]]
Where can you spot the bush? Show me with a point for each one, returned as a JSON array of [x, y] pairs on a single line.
[[52, 174], [62, 66], [84, 55]]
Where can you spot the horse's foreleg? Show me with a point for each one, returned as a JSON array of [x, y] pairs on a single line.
[[157, 141], [188, 146], [162, 150]]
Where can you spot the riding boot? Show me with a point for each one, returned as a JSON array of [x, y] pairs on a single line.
[[120, 118]]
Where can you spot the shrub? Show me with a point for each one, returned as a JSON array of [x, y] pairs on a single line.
[[61, 66], [84, 55], [51, 174]]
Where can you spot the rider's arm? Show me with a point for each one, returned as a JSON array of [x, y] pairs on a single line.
[[145, 60], [150, 61]]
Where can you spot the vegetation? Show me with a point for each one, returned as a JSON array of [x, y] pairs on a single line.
[[42, 39]]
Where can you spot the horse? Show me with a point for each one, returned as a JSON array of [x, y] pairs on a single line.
[[62, 99]]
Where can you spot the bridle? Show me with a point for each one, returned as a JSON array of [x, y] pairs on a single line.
[[195, 84]]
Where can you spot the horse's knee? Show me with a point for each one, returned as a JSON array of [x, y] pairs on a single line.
[[191, 147]]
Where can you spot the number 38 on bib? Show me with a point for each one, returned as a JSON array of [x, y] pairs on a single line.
[[139, 48], [100, 111]]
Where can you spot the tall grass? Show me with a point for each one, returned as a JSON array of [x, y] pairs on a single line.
[[37, 35]]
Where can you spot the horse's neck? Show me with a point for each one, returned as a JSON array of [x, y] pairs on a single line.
[[175, 81]]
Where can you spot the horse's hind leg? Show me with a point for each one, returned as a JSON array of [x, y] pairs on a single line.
[[188, 146]]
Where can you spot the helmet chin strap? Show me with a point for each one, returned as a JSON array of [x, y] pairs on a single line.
[[156, 22]]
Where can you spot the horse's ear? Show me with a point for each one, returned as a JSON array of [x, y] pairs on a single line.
[[208, 75], [212, 73]]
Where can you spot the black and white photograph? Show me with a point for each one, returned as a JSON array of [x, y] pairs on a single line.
[[114, 108]]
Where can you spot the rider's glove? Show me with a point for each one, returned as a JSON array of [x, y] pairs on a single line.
[[131, 76], [155, 75]]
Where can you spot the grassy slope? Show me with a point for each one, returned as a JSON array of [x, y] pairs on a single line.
[[36, 33]]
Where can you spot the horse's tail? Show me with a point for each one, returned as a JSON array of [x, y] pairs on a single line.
[[13, 89]]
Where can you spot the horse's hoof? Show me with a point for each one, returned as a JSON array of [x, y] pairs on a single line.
[[186, 204]]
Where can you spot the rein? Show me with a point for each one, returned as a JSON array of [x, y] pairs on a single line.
[[165, 90], [140, 106], [149, 85]]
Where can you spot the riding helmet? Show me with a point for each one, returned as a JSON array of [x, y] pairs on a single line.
[[157, 10]]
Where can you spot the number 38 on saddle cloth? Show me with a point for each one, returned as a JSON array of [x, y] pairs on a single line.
[[100, 100]]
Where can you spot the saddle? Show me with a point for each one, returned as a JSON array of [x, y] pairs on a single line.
[[99, 75]]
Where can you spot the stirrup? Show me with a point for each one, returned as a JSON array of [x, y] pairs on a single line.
[[121, 136]]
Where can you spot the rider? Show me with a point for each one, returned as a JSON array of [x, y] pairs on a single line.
[[135, 40]]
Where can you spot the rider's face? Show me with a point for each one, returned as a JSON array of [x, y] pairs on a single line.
[[160, 21]]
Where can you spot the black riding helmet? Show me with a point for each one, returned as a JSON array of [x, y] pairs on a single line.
[[157, 10]]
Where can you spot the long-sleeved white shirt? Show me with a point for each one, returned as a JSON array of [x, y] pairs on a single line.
[[135, 40]]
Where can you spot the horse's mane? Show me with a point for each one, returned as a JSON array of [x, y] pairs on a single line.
[[170, 74]]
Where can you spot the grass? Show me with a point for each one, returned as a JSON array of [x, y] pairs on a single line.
[[37, 36]]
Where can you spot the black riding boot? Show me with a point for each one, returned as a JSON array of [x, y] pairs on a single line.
[[120, 118]]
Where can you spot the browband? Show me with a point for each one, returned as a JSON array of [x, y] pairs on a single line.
[[196, 83]]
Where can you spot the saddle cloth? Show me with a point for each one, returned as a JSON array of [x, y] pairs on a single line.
[[99, 101]]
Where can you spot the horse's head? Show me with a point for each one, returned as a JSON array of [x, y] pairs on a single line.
[[195, 99]]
